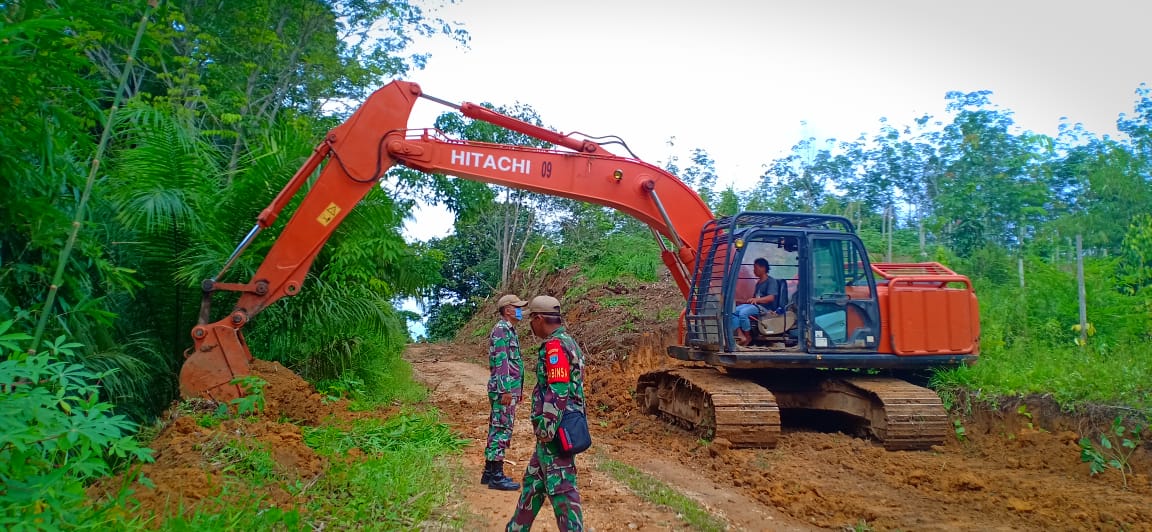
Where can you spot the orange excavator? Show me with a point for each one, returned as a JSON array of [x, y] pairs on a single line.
[[840, 328]]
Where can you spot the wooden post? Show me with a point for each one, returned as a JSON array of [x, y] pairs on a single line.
[[1080, 285], [1020, 267], [891, 227]]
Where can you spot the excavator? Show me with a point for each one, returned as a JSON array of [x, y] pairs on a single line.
[[835, 348]]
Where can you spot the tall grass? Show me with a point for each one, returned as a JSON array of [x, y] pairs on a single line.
[[1069, 374], [624, 254], [1029, 343]]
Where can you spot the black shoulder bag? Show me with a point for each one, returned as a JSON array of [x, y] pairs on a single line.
[[573, 433]]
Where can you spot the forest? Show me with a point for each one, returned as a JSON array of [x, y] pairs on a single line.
[[143, 138]]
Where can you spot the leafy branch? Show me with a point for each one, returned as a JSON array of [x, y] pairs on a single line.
[[253, 400], [55, 435], [1108, 455]]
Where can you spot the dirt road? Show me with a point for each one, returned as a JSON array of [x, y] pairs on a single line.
[[1007, 474], [458, 389]]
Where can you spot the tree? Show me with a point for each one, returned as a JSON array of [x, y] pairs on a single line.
[[800, 181], [989, 192], [510, 218], [224, 104]]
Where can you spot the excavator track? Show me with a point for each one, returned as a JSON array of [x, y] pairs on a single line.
[[899, 414], [712, 404], [904, 416]]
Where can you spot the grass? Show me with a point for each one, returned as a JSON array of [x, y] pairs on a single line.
[[657, 492], [398, 484], [230, 513], [1029, 339], [1069, 374], [248, 460], [669, 314], [394, 383], [382, 474], [619, 301], [396, 479]]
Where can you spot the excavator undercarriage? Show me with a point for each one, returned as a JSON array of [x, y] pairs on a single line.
[[746, 409]]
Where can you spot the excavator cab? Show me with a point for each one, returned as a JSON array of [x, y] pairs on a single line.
[[852, 319], [829, 300]]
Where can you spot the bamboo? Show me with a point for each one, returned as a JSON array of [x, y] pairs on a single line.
[[78, 219]]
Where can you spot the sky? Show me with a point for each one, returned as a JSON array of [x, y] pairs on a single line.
[[746, 79]]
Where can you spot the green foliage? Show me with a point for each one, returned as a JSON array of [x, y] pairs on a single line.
[[226, 103], [1135, 267], [959, 430], [657, 492], [345, 387], [400, 482], [631, 254], [56, 435], [232, 512], [1106, 455], [248, 460], [373, 436], [253, 400], [332, 332], [447, 319], [1028, 342]]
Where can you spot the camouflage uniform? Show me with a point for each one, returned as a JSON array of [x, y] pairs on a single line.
[[507, 369], [559, 387]]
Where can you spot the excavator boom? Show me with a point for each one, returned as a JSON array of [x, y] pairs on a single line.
[[362, 149]]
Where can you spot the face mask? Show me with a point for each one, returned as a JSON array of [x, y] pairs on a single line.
[[519, 313]]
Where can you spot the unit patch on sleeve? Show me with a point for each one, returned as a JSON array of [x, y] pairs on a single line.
[[556, 362]]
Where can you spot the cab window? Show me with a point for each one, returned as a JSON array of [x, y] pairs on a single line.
[[844, 309]]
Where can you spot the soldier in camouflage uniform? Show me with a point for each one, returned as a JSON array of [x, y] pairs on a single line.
[[559, 387], [505, 387]]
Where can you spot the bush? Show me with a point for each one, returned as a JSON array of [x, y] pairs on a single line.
[[55, 435]]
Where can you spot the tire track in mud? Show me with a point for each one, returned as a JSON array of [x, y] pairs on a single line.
[[457, 388], [1008, 474]]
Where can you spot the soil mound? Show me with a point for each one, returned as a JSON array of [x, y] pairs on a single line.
[[199, 444], [290, 396], [608, 320]]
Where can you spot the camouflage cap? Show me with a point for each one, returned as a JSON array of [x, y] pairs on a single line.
[[544, 305], [510, 299]]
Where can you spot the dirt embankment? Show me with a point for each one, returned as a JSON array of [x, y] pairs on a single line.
[[197, 447], [1015, 469]]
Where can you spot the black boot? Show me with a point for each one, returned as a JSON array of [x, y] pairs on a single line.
[[487, 476], [499, 481]]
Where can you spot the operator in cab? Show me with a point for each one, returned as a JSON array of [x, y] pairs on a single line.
[[559, 388], [767, 296]]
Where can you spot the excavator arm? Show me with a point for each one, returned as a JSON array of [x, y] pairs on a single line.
[[374, 138], [628, 185]]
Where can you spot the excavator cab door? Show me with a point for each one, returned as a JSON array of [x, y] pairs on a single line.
[[842, 313]]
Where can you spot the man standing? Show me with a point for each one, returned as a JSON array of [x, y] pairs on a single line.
[[559, 388], [505, 387]]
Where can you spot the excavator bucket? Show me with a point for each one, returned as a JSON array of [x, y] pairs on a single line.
[[219, 356]]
